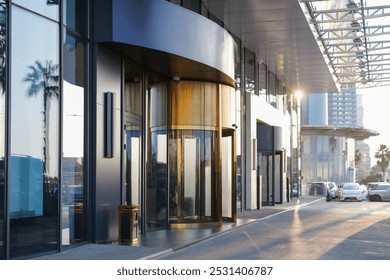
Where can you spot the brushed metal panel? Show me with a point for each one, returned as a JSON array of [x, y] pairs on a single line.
[[108, 170], [162, 26]]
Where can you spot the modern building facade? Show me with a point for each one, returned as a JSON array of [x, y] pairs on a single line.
[[169, 105], [342, 107], [330, 132]]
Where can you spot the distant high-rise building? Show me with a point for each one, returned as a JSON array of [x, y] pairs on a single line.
[[329, 121], [342, 108]]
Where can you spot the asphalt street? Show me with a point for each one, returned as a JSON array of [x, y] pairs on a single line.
[[320, 231]]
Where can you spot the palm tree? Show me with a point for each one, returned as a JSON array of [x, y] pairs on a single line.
[[43, 79], [358, 158], [383, 156], [2, 46]]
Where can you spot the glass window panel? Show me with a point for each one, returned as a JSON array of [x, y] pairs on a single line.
[[75, 15], [73, 142], [227, 177], [48, 8], [133, 163], [174, 149], [177, 2], [34, 134], [2, 120], [191, 159], [249, 72], [157, 181], [263, 78], [133, 90], [193, 5]]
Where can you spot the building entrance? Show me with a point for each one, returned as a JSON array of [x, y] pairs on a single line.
[[132, 161], [192, 176]]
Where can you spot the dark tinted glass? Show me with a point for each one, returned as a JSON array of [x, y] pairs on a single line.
[[2, 121], [76, 15]]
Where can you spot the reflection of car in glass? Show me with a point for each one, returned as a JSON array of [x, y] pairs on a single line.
[[295, 191], [351, 191], [318, 188], [73, 194], [379, 193]]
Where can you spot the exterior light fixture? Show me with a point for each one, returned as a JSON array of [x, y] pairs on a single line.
[[360, 55], [353, 7], [355, 24], [176, 78], [298, 95]]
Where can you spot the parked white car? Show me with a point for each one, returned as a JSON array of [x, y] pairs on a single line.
[[364, 190], [351, 191], [334, 190]]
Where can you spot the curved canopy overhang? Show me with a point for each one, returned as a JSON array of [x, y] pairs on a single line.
[[354, 38], [357, 133], [165, 37]]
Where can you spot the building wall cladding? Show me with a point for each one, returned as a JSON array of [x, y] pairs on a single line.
[[144, 33]]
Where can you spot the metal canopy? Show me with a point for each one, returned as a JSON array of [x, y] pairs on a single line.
[[313, 45], [353, 38], [357, 133], [278, 33]]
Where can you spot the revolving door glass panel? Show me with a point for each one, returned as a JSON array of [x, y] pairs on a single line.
[[228, 176], [192, 175], [133, 178]]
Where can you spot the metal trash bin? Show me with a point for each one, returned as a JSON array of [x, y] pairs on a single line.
[[128, 223]]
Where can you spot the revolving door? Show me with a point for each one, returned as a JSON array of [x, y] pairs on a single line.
[[199, 151]]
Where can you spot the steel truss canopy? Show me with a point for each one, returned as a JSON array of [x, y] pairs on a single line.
[[354, 37]]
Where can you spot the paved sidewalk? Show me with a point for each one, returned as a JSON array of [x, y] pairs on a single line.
[[153, 244]]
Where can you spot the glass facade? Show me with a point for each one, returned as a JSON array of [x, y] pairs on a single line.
[[40, 184], [34, 134], [179, 149], [192, 165], [73, 117], [3, 28], [47, 8], [324, 158], [184, 151], [157, 163]]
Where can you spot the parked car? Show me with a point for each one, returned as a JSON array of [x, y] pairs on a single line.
[[334, 190], [318, 188], [364, 190], [351, 191], [374, 184], [380, 192]]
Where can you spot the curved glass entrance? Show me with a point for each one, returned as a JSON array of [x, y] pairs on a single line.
[[191, 152], [192, 178]]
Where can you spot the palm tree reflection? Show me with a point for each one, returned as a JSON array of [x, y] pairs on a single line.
[[44, 79]]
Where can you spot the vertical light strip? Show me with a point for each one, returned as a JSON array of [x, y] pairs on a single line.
[[108, 124]]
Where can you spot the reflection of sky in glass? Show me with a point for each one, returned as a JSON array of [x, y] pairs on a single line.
[[38, 42], [41, 7], [73, 127]]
